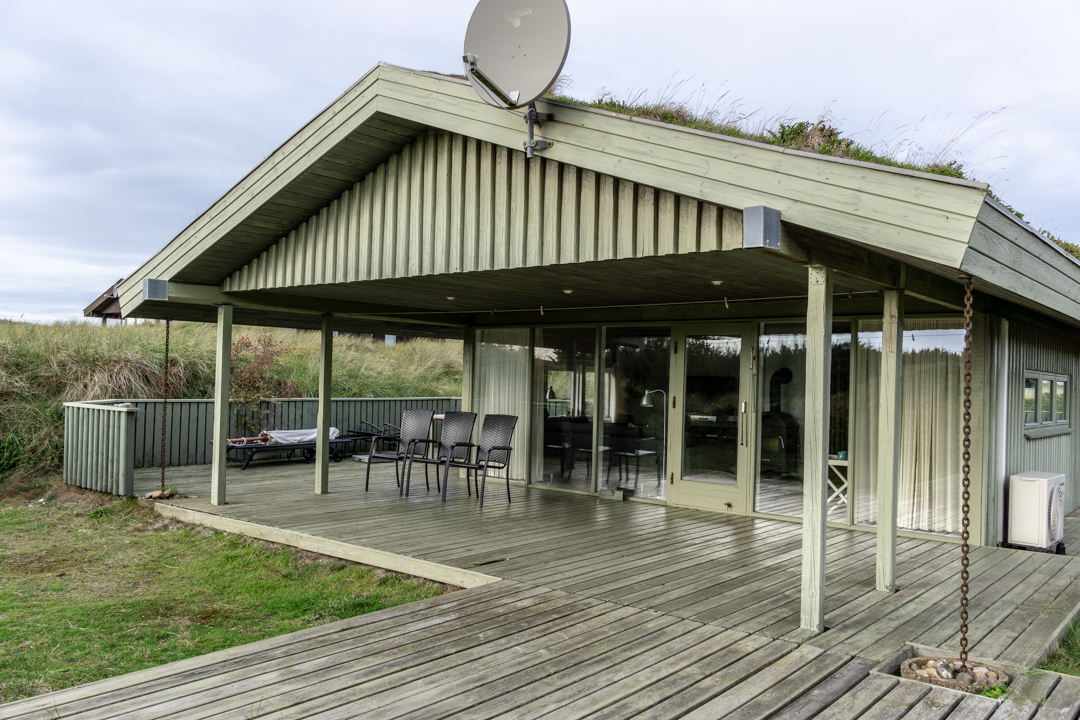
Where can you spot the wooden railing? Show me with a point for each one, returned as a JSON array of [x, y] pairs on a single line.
[[99, 446], [91, 432]]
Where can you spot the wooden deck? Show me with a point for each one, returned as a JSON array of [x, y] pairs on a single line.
[[589, 608]]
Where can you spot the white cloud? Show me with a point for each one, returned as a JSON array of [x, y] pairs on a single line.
[[120, 120]]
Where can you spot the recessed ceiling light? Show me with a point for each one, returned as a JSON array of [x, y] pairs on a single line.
[[717, 282], [568, 291], [449, 297]]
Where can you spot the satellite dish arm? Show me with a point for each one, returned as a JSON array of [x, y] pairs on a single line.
[[510, 99]]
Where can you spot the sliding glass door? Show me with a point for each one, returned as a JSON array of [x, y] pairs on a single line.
[[931, 424], [564, 407], [635, 369], [782, 378], [711, 411]]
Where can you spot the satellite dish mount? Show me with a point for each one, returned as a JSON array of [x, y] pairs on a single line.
[[513, 55]]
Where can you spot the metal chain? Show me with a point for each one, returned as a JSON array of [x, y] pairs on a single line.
[[164, 402], [966, 535]]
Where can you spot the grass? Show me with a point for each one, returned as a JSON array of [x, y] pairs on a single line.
[[43, 366], [1065, 658], [818, 136], [94, 587]]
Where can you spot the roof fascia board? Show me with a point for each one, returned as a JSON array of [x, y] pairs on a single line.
[[1030, 231], [1022, 266], [668, 127]]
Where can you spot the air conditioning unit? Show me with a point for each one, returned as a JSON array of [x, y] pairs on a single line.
[[1037, 510]]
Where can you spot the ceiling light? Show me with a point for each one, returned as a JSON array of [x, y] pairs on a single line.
[[568, 291], [449, 297], [717, 282]]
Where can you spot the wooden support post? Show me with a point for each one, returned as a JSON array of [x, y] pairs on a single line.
[[322, 440], [819, 310], [888, 445], [222, 378]]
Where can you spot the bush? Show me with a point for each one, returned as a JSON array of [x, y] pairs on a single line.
[[44, 366]]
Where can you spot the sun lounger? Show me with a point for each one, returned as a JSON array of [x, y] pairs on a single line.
[[289, 442]]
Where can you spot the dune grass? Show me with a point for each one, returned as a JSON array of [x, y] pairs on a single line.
[[95, 586], [43, 366]]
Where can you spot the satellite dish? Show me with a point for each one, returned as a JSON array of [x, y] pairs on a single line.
[[514, 51]]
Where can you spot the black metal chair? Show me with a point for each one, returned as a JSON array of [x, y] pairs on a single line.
[[579, 435], [365, 431], [453, 442], [627, 444], [415, 425], [492, 453]]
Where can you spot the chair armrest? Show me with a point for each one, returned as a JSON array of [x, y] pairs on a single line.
[[462, 444], [375, 428], [422, 441], [501, 447]]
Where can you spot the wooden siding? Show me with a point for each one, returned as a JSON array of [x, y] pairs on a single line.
[[900, 211], [94, 432], [452, 204], [99, 443], [1022, 266], [1042, 350]]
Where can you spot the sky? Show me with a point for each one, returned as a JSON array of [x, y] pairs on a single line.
[[122, 120]]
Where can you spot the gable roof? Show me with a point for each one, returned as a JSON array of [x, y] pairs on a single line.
[[928, 221]]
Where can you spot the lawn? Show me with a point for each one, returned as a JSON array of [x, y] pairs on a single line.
[[1066, 656], [95, 586]]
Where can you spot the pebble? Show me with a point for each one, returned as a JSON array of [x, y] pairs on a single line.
[[991, 674], [157, 494], [944, 671], [964, 678], [923, 674]]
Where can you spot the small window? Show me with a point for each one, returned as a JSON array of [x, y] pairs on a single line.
[[1060, 402], [1030, 416], [1046, 399]]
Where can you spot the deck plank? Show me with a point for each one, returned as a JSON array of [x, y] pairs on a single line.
[[1064, 701], [860, 698], [935, 705], [603, 609], [974, 707], [1026, 695]]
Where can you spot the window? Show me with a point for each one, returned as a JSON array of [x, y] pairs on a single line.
[[1046, 400]]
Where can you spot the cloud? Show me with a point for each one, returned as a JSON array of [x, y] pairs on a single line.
[[121, 120]]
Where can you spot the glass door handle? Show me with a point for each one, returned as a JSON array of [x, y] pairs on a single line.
[[742, 424]]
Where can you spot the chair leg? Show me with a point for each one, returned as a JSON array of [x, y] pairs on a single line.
[[426, 480], [483, 486], [367, 478], [446, 478], [507, 481]]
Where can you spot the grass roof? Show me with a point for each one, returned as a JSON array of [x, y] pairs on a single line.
[[817, 136]]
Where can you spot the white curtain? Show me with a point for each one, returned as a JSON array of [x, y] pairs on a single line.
[[931, 430], [501, 385]]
